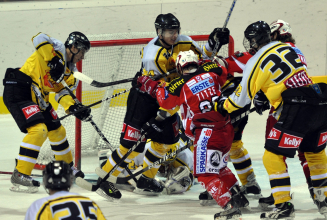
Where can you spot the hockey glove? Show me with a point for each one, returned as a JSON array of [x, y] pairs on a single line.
[[261, 103], [147, 85], [83, 115], [218, 34], [219, 105], [57, 69], [152, 128]]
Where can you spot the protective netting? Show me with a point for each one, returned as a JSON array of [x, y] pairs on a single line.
[[106, 64]]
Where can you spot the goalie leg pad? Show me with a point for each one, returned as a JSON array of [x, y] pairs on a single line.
[[180, 180]]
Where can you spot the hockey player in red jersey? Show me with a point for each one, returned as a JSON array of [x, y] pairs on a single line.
[[195, 92], [300, 107]]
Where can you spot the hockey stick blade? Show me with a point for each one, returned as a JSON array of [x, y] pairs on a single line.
[[122, 180], [92, 82], [90, 187], [242, 115]]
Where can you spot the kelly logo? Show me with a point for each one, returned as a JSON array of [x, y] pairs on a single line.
[[31, 110], [274, 134], [322, 138], [290, 141]]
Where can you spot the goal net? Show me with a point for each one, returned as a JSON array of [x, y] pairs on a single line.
[[112, 57]]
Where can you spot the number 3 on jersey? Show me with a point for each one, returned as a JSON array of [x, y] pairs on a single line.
[[74, 210]]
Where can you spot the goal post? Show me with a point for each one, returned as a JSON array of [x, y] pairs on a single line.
[[112, 57]]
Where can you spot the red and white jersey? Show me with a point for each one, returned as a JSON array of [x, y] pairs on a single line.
[[298, 52], [237, 61], [194, 93]]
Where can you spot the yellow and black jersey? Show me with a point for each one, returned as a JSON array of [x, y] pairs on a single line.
[[158, 60], [273, 69], [36, 66], [64, 205]]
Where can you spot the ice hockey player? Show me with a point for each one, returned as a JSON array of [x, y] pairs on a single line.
[[239, 155], [157, 59], [195, 92], [277, 70], [26, 95], [62, 204], [281, 31]]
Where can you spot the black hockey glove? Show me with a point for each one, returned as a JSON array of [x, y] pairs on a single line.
[[83, 115], [152, 128], [57, 69], [218, 34], [261, 103], [219, 105]]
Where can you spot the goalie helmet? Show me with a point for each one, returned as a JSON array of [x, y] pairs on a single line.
[[166, 21], [255, 35], [282, 27], [57, 175], [185, 59], [79, 40]]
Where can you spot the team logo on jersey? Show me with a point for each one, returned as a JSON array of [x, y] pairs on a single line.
[[175, 84], [217, 161], [208, 66], [167, 55], [198, 78], [322, 138], [202, 85], [274, 134], [290, 141], [31, 110], [46, 80]]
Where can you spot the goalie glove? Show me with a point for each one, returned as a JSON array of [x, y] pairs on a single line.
[[179, 181], [57, 69], [147, 85], [261, 103]]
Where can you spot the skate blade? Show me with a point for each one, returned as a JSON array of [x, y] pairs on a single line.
[[145, 192], [208, 202], [29, 189], [235, 217], [253, 196], [101, 193], [291, 217]]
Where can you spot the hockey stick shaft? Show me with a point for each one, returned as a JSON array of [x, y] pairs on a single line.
[[214, 51], [121, 180], [242, 115], [88, 186], [86, 79], [91, 105]]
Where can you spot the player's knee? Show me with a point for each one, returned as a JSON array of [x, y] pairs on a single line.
[[123, 150], [316, 159], [58, 134], [38, 131], [237, 149], [162, 148]]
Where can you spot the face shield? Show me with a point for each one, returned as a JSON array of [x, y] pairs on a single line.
[[250, 47]]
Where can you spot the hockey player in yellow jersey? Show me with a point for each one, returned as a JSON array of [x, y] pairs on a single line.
[[158, 58], [62, 204], [300, 108], [26, 95]]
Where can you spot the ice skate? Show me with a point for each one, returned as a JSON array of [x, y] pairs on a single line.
[[321, 201], [206, 199], [108, 191], [230, 212], [28, 184], [77, 172], [264, 202], [148, 186], [283, 211], [252, 188]]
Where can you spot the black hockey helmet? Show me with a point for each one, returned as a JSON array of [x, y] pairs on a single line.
[[255, 35], [79, 40], [57, 175], [166, 21]]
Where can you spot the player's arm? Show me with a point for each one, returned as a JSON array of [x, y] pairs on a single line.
[[62, 95], [237, 61]]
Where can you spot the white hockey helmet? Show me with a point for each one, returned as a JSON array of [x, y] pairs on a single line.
[[282, 27], [184, 59]]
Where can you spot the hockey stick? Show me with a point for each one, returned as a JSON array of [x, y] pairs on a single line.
[[33, 175], [86, 79], [214, 51], [90, 187], [122, 180], [91, 105], [242, 115]]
